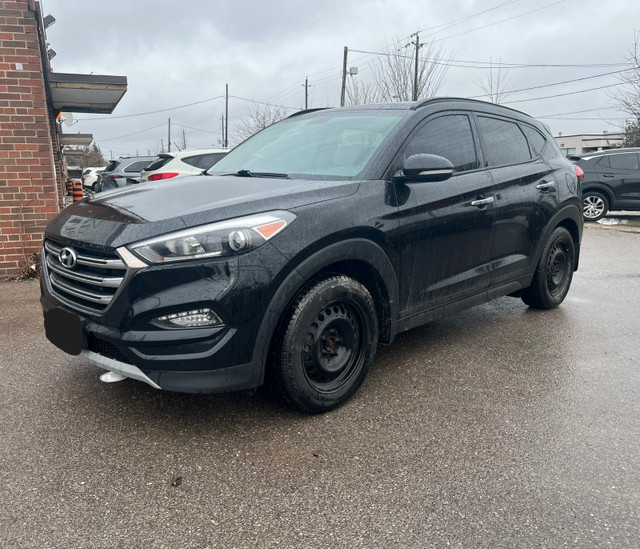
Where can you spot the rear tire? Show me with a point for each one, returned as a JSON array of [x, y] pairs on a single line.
[[554, 273], [594, 206], [327, 343]]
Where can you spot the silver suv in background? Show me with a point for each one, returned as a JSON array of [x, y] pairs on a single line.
[[122, 171], [177, 164]]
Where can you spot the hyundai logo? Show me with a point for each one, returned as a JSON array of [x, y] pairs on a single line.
[[68, 257]]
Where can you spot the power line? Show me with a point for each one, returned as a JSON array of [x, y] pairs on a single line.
[[194, 129], [557, 83], [447, 24], [455, 22], [489, 64], [498, 22], [154, 112], [262, 103], [576, 112], [565, 94], [131, 134]]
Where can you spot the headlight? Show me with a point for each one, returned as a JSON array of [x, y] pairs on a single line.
[[230, 237]]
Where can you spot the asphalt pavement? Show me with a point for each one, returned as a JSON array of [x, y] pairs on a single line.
[[499, 427]]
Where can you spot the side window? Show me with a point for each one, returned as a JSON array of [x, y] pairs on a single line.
[[449, 136], [535, 139], [195, 160], [604, 162], [137, 166], [627, 161], [210, 159], [203, 161], [503, 142]]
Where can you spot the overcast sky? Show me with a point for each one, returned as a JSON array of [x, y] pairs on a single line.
[[175, 53]]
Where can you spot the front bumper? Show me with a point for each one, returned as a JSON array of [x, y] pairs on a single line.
[[124, 338]]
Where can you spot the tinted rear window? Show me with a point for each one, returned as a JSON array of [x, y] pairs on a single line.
[[203, 161], [503, 142], [156, 165], [111, 166]]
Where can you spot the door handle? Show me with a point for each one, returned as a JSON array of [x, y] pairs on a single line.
[[483, 201], [546, 185], [608, 175]]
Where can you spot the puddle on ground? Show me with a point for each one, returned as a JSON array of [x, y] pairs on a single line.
[[633, 222]]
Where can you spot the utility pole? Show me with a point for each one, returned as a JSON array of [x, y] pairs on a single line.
[[169, 136], [222, 130], [306, 93], [226, 117], [417, 45], [344, 76]]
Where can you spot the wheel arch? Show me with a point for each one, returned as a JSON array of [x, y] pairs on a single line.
[[569, 217], [600, 188], [358, 258]]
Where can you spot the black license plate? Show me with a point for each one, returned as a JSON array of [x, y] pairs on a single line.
[[64, 330]]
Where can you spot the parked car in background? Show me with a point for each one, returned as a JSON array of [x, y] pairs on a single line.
[[122, 171], [177, 164], [90, 176], [309, 243], [611, 181]]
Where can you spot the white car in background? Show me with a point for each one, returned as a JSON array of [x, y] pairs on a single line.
[[90, 176], [181, 163]]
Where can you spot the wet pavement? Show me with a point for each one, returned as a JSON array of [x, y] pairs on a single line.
[[499, 427]]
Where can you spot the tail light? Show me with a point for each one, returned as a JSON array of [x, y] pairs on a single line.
[[113, 177], [158, 176], [579, 172]]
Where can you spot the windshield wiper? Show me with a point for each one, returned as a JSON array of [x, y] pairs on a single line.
[[247, 173]]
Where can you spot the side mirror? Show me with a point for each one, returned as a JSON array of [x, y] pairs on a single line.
[[425, 167]]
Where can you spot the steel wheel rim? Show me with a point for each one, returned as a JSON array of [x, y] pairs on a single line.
[[593, 206], [557, 269], [334, 347]]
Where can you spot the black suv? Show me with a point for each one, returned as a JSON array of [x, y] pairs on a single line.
[[311, 242], [611, 181]]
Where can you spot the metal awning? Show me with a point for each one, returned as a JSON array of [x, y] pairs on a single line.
[[81, 139], [95, 93], [72, 152]]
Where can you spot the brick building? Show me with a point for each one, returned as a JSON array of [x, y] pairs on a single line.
[[31, 158]]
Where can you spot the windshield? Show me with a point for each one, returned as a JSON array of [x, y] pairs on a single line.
[[322, 145]]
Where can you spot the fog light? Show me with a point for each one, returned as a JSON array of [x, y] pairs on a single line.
[[188, 319]]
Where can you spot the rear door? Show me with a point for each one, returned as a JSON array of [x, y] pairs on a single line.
[[621, 173], [445, 230], [525, 190]]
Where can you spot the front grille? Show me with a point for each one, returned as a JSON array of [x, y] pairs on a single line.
[[105, 348], [89, 285]]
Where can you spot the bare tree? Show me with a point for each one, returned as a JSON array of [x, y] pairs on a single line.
[[181, 144], [628, 98], [393, 73], [361, 94], [87, 156], [494, 84], [260, 116]]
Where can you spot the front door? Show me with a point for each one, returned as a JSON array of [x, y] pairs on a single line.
[[445, 229]]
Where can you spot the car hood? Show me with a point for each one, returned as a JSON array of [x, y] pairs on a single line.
[[119, 217]]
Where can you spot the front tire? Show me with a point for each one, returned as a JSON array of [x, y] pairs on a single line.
[[594, 206], [554, 273], [327, 344]]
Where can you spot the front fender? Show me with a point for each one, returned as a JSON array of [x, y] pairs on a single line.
[[355, 249]]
